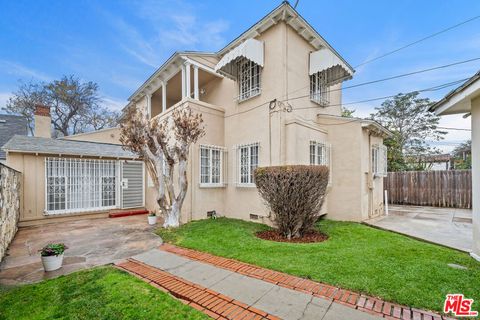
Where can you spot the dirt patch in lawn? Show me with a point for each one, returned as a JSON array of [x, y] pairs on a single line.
[[309, 237]]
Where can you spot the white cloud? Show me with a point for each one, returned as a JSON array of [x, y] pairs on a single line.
[[21, 71], [165, 27], [114, 104]]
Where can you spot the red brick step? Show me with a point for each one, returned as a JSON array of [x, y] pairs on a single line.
[[119, 214]]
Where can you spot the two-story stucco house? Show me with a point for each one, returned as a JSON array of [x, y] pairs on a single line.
[[272, 96]]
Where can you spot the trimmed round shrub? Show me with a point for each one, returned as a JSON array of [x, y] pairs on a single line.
[[294, 195]]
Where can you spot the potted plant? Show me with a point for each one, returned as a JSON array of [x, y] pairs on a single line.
[[52, 256], [152, 218]]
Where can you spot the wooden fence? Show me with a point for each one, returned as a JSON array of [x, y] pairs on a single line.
[[447, 188]]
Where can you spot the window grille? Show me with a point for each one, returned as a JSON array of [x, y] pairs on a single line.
[[379, 160], [319, 89], [78, 185], [320, 154], [248, 161], [249, 84], [211, 165]]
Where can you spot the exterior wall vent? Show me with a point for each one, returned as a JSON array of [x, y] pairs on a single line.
[[254, 216]]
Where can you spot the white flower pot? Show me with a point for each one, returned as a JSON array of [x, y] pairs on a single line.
[[51, 263], [152, 220]]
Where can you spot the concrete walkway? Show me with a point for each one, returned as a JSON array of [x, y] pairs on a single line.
[[273, 299], [445, 226]]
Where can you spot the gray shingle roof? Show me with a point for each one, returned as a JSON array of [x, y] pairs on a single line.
[[11, 125], [66, 147]]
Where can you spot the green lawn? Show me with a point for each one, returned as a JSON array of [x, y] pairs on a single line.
[[356, 257], [100, 293]]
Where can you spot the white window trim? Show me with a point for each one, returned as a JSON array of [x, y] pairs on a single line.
[[252, 91], [379, 161], [239, 164], [66, 186], [326, 156], [319, 89], [210, 149]]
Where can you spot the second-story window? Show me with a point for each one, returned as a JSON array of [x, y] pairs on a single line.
[[319, 89], [248, 79]]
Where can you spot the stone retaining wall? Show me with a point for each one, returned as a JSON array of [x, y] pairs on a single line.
[[9, 206]]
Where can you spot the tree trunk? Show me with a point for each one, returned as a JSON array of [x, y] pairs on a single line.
[[172, 218]]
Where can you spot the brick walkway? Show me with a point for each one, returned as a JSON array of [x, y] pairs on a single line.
[[353, 300], [224, 294], [212, 303]]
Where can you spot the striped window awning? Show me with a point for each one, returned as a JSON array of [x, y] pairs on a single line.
[[326, 61], [251, 49]]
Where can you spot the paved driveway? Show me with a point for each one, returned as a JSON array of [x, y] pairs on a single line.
[[446, 226], [91, 242]]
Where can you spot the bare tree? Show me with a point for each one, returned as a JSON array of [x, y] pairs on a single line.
[[163, 145], [24, 100], [75, 106]]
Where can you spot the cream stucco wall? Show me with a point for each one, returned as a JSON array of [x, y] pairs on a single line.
[[110, 135], [283, 137]]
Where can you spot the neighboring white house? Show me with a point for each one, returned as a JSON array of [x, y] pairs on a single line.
[[466, 99]]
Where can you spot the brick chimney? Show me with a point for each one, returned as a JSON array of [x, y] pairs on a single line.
[[42, 121]]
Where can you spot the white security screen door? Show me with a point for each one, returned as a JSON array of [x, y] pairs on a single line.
[[132, 184]]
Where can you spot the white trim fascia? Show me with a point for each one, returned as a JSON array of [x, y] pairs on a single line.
[[458, 98], [284, 12], [73, 154], [203, 67]]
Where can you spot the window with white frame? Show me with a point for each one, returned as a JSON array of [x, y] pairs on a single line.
[[249, 84], [248, 162], [319, 153], [76, 185], [379, 160], [319, 89], [211, 165]]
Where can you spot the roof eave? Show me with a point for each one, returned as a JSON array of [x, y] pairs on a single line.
[[281, 10], [68, 154]]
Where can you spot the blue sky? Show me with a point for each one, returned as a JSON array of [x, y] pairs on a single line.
[[118, 44]]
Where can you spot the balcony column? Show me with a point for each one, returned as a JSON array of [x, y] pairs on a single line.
[[188, 92], [164, 96], [195, 83], [183, 81], [149, 105]]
